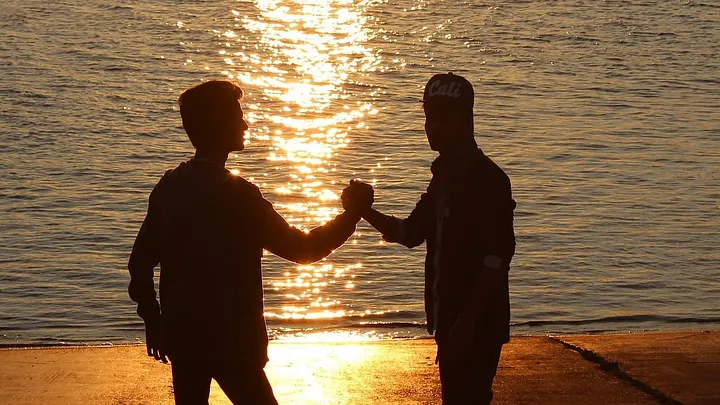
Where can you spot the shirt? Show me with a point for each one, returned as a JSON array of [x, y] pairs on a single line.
[[207, 229]]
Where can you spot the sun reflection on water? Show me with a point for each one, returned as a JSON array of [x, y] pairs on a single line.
[[295, 59]]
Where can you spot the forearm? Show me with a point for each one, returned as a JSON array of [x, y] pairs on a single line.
[[304, 248], [387, 225], [323, 240], [142, 291], [141, 266]]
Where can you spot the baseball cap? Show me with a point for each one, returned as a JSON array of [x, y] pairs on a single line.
[[448, 90]]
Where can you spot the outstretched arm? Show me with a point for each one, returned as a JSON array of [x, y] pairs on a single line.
[[410, 232], [387, 225], [295, 245]]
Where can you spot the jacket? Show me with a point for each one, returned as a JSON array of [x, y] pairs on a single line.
[[476, 224], [207, 229]]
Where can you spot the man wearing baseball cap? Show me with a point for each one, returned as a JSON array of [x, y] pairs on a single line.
[[466, 218]]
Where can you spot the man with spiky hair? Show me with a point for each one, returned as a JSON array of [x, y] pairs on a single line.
[[207, 229]]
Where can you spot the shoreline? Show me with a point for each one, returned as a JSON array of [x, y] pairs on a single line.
[[621, 368], [343, 338]]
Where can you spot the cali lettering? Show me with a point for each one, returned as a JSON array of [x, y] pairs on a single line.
[[447, 90]]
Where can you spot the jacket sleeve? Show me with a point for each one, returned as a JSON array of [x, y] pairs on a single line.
[[412, 231], [295, 245], [143, 259], [501, 238]]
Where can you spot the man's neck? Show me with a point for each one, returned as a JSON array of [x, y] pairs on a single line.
[[461, 151], [218, 158]]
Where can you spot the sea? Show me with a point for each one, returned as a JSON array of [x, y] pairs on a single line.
[[605, 115]]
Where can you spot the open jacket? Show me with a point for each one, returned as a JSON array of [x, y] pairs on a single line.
[[465, 216]]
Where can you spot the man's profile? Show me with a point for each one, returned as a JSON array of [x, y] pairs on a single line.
[[207, 229]]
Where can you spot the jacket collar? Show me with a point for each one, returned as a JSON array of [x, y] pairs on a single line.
[[444, 166]]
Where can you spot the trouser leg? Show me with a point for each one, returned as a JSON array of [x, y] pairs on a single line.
[[191, 381], [245, 385], [468, 379]]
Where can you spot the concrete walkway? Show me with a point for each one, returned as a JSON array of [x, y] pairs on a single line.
[[680, 367], [651, 368]]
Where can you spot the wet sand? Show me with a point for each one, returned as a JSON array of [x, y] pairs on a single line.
[[646, 368]]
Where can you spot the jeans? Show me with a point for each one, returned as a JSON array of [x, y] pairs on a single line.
[[243, 384], [468, 379]]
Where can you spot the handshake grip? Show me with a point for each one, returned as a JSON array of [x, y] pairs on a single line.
[[358, 197]]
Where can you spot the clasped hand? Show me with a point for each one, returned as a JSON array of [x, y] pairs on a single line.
[[358, 197]]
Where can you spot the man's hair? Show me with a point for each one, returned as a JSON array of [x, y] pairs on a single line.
[[206, 109]]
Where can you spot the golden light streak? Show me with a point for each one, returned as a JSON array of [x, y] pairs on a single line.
[[295, 59]]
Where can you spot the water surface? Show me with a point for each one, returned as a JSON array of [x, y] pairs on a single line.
[[604, 114]]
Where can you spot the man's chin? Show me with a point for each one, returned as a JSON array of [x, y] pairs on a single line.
[[435, 147], [436, 143]]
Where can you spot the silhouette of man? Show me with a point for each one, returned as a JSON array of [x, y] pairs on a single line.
[[466, 218], [207, 229]]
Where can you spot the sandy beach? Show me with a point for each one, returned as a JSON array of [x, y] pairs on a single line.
[[643, 368]]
